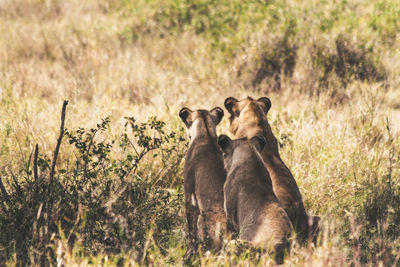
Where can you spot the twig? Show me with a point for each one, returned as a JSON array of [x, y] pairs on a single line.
[[4, 191], [35, 163], [133, 146], [53, 164], [49, 203], [135, 166]]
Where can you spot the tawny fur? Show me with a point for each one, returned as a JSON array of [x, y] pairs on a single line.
[[250, 203], [248, 119], [204, 177]]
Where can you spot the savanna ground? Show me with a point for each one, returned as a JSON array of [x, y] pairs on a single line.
[[330, 68]]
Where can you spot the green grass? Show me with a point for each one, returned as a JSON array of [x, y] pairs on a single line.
[[331, 70]]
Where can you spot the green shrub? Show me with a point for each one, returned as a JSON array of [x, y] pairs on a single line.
[[109, 203]]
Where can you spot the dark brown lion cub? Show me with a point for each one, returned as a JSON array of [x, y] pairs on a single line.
[[204, 178], [251, 206], [249, 118]]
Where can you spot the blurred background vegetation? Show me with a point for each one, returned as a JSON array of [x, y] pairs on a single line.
[[330, 68]]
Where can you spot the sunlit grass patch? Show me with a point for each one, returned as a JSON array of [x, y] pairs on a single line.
[[330, 68]]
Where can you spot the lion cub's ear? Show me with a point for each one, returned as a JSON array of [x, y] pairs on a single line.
[[230, 104], [184, 113], [225, 143], [217, 114], [266, 103], [258, 142]]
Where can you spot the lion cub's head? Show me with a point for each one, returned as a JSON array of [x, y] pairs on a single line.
[[242, 149], [248, 118], [201, 122]]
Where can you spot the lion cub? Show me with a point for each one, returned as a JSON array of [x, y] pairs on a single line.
[[204, 178], [250, 204], [248, 118]]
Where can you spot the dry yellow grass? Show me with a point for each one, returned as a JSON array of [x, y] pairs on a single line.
[[339, 141]]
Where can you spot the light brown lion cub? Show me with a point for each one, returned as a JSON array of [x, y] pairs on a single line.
[[248, 118], [204, 178], [251, 206]]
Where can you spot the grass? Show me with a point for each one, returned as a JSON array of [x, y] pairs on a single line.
[[331, 70]]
